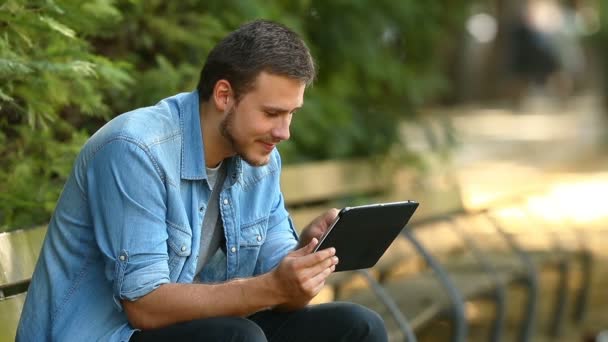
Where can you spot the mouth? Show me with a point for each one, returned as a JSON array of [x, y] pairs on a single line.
[[267, 146]]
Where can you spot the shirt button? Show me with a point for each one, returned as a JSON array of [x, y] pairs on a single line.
[[225, 202], [259, 238], [122, 258], [183, 248], [233, 249]]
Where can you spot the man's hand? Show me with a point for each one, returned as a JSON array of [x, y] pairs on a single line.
[[302, 274], [317, 227]]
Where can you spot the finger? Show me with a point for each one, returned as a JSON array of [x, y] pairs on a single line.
[[321, 267], [314, 285], [318, 289], [306, 250], [331, 215], [315, 258], [319, 278], [328, 217]]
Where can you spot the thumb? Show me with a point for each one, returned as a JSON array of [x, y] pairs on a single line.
[[330, 216], [306, 249]]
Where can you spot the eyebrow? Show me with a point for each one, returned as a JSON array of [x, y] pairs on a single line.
[[279, 109]]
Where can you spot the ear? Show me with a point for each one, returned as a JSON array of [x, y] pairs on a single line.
[[222, 95]]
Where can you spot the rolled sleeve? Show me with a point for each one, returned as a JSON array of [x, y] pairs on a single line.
[[126, 194]]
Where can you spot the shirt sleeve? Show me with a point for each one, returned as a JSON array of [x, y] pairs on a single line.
[[281, 236], [126, 196]]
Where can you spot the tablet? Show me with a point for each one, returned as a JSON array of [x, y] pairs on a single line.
[[361, 234]]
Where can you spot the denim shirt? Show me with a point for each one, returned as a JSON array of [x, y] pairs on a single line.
[[129, 220]]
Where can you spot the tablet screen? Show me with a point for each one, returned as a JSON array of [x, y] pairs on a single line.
[[362, 234]]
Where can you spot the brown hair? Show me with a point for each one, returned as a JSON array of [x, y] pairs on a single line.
[[254, 47]]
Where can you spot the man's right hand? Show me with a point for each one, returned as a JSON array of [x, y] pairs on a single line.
[[302, 274]]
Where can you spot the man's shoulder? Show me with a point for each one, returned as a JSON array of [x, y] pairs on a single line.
[[156, 131], [146, 125]]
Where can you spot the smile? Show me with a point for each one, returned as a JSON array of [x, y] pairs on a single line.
[[268, 147]]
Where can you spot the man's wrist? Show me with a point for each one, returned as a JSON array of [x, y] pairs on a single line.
[[269, 284]]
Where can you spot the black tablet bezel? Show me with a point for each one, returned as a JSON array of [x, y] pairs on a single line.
[[362, 234]]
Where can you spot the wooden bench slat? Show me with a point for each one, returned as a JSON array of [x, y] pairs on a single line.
[[330, 180], [10, 311], [19, 252]]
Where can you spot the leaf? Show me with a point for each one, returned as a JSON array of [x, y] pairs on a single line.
[[59, 27], [13, 68], [83, 67], [5, 97]]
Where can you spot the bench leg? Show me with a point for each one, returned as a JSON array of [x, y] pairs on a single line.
[[391, 306], [582, 297], [530, 281], [563, 267], [500, 289], [459, 322], [498, 326], [561, 297], [585, 259], [526, 331]]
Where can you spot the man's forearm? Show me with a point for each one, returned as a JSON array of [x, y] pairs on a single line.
[[173, 303]]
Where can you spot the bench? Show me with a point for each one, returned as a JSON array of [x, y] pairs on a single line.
[[19, 251], [478, 258], [556, 250], [334, 186]]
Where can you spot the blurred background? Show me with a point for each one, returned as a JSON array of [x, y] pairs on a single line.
[[505, 95], [68, 66]]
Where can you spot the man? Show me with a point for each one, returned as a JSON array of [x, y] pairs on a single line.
[[172, 224]]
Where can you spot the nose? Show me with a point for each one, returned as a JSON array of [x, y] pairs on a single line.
[[281, 130]]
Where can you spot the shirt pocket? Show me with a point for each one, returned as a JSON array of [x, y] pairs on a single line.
[[252, 238], [179, 242], [253, 234]]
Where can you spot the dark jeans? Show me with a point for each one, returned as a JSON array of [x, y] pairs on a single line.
[[326, 322]]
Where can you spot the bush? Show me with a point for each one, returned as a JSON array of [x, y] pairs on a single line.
[[53, 83], [70, 65]]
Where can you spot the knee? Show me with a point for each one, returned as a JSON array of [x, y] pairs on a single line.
[[367, 325], [243, 330]]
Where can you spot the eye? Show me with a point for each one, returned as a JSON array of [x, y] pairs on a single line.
[[270, 114]]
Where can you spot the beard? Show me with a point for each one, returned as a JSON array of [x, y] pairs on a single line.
[[227, 131]]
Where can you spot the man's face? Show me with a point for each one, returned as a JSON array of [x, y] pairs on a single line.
[[261, 119]]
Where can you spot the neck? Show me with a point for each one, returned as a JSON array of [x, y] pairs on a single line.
[[217, 148]]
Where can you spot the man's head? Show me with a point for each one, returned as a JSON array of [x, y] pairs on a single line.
[[254, 47], [261, 119], [254, 81]]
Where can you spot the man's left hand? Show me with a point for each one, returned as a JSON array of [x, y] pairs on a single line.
[[317, 227]]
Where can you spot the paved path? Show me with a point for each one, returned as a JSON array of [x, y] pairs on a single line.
[[501, 153]]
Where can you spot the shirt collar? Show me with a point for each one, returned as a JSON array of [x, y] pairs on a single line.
[[193, 151]]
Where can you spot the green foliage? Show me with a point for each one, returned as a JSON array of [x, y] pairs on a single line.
[[377, 64], [67, 66], [47, 66], [51, 78], [39, 164]]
